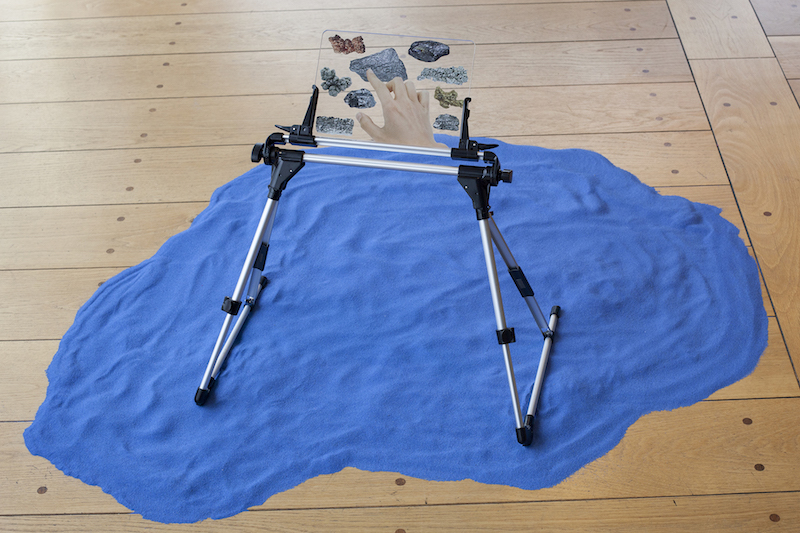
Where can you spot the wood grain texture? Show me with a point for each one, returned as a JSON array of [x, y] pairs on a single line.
[[262, 30], [778, 17], [704, 449], [59, 295], [243, 120], [68, 9], [80, 237], [759, 512], [754, 117], [657, 159], [272, 72], [787, 50], [712, 29]]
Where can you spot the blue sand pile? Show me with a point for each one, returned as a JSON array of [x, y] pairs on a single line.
[[374, 345]]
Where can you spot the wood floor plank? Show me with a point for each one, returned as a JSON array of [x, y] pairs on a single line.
[[161, 175], [711, 29], [252, 31], [704, 449], [89, 237], [243, 120], [657, 159], [276, 72], [24, 381], [758, 512], [59, 295], [20, 10], [787, 50], [754, 116], [774, 376], [778, 17]]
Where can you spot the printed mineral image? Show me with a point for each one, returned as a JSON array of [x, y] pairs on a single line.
[[361, 99], [446, 122], [447, 98], [333, 84], [346, 46], [340, 126], [428, 51], [386, 65], [452, 75]]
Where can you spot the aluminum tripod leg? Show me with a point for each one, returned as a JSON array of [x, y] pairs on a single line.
[[504, 335], [547, 328], [251, 270]]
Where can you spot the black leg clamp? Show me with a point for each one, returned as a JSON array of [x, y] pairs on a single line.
[[505, 336]]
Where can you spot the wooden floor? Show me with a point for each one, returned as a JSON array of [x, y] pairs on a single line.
[[118, 120]]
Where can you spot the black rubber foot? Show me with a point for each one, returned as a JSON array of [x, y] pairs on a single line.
[[201, 395], [525, 436]]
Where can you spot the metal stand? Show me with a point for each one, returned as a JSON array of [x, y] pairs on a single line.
[[476, 181]]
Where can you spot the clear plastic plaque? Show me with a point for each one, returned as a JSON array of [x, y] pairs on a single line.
[[442, 67]]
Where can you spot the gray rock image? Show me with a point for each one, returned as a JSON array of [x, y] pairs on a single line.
[[386, 65], [452, 75], [446, 122], [360, 98], [333, 84], [341, 126], [428, 51]]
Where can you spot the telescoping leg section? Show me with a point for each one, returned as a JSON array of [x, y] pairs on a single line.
[[476, 180]]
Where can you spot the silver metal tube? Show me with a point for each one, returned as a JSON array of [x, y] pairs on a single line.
[[491, 269], [381, 147], [310, 157], [537, 385], [499, 315], [231, 339], [510, 262]]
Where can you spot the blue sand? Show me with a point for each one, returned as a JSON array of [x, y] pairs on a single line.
[[374, 345]]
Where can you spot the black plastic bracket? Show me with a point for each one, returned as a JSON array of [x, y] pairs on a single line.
[[506, 336], [302, 134], [467, 149], [231, 306], [261, 258], [521, 281], [525, 435]]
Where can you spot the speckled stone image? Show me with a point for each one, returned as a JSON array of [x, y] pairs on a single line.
[[428, 51], [386, 65], [333, 84], [340, 126], [447, 98], [452, 75], [361, 98], [446, 122]]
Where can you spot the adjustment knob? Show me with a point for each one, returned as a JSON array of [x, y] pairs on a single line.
[[257, 154], [506, 175]]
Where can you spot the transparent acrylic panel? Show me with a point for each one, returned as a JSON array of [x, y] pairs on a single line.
[[442, 67]]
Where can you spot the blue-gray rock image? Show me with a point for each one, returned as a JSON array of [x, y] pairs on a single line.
[[428, 51], [360, 98], [446, 122], [341, 126], [333, 84], [386, 65], [453, 75]]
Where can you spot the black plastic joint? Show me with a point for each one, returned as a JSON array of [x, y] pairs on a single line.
[[556, 310], [231, 306], [505, 336], [521, 281], [261, 258], [528, 421], [263, 281]]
